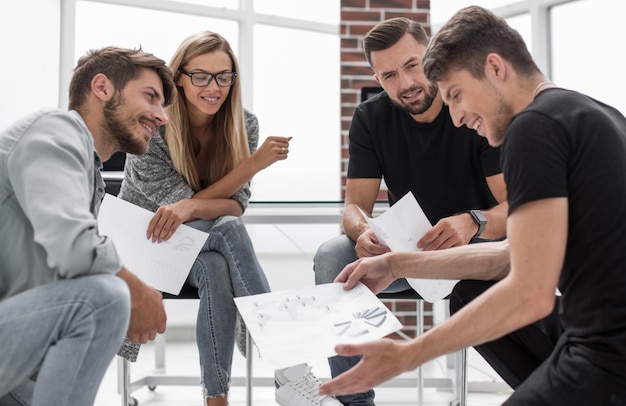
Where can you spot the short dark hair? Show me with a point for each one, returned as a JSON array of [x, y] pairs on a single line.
[[464, 42], [120, 65], [385, 34]]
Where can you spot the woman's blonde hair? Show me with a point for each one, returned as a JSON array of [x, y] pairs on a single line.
[[229, 146]]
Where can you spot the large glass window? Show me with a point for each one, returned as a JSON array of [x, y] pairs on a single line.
[[293, 75], [157, 32], [296, 93], [442, 11], [586, 38], [317, 11], [29, 45]]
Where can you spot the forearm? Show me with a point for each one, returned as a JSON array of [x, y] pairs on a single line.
[[353, 222], [135, 285], [214, 208], [231, 183], [484, 261], [488, 317], [496, 221]]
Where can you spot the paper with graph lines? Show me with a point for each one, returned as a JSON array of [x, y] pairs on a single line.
[[164, 266], [294, 326]]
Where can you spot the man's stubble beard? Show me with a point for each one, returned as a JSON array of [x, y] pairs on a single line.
[[116, 127], [419, 106]]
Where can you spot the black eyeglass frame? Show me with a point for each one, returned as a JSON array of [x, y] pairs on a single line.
[[233, 75]]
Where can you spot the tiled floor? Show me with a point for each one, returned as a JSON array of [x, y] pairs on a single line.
[[486, 388]]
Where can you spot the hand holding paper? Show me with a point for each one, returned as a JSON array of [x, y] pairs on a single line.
[[400, 228], [163, 266]]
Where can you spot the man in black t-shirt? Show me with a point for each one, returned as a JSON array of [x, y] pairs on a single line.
[[564, 161], [405, 136]]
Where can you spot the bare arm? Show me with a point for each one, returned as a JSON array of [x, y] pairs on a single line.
[[214, 201], [273, 149], [168, 218], [362, 193], [496, 216], [537, 237], [486, 261], [457, 230]]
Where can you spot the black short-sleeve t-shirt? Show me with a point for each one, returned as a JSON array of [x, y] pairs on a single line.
[[566, 144], [444, 166]]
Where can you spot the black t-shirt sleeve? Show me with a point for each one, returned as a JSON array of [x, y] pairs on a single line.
[[364, 162], [534, 159]]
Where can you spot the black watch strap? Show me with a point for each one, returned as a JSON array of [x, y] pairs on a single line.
[[480, 219]]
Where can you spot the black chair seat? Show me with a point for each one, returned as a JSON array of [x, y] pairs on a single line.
[[408, 294], [187, 292]]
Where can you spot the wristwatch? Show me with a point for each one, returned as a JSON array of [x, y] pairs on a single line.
[[480, 219]]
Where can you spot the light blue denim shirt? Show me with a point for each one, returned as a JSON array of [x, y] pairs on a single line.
[[50, 193]]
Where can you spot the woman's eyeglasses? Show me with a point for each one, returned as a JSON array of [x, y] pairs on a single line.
[[202, 79]]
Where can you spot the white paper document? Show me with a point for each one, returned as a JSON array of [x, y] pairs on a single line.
[[294, 326], [400, 227], [165, 265]]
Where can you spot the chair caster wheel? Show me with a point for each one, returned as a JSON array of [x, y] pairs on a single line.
[[133, 402], [152, 387], [455, 403]]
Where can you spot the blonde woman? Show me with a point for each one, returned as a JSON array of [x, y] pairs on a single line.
[[198, 171]]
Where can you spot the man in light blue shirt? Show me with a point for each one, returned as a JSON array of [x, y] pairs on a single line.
[[64, 293]]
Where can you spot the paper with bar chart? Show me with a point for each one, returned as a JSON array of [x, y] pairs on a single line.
[[294, 326]]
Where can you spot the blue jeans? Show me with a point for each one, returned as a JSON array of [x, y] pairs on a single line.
[[58, 340], [331, 257], [226, 267]]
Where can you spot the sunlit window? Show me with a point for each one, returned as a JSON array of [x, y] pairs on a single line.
[[317, 11], [294, 80], [157, 32], [586, 43]]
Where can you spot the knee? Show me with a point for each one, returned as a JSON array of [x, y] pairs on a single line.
[[112, 290], [111, 298], [209, 265], [331, 257], [465, 291]]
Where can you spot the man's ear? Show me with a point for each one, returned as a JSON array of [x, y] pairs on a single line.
[[101, 87], [495, 68], [376, 78]]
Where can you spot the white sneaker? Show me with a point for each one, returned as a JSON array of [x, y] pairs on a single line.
[[297, 386]]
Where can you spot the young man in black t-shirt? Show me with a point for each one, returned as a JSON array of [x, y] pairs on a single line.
[[405, 136], [564, 161]]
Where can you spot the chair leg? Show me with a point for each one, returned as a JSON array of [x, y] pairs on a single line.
[[462, 377], [249, 356], [159, 350], [420, 331], [123, 383]]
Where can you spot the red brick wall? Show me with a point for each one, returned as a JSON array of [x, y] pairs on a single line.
[[357, 18]]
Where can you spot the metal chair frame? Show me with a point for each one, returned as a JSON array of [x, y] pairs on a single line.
[[158, 376], [461, 387]]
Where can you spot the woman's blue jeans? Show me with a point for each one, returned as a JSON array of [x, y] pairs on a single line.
[[226, 267]]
